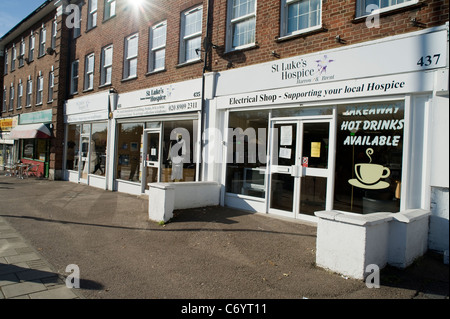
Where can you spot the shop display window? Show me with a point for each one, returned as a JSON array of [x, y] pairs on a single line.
[[128, 151], [247, 153], [369, 152]]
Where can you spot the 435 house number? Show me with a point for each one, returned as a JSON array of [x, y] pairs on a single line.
[[429, 60]]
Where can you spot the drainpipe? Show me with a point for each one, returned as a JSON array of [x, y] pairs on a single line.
[[207, 45]]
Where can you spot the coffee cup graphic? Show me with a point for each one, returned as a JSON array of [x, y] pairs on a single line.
[[368, 175], [371, 174]]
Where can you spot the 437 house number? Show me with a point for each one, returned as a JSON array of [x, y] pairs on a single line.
[[429, 60]]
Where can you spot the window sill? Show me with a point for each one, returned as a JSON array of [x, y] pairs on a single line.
[[88, 90], [156, 72], [302, 34], [242, 49], [38, 104], [384, 12], [129, 79], [108, 19], [183, 64], [41, 56], [104, 85], [90, 29]]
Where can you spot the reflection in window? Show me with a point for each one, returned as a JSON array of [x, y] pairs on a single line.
[[247, 149], [98, 148], [179, 151], [129, 145], [73, 147], [369, 157]]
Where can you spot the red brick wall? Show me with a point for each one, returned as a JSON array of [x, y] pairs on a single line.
[[338, 18], [43, 64], [127, 22]]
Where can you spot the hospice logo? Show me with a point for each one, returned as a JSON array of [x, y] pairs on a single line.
[[302, 71]]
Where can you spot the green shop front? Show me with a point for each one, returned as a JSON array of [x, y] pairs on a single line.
[[33, 138]]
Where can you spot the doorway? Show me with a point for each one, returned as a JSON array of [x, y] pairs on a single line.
[[300, 173]]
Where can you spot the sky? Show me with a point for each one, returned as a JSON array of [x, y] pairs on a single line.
[[14, 11]]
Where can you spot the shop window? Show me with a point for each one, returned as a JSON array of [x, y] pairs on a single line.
[[246, 154], [98, 149], [36, 149], [369, 151], [179, 151], [128, 149], [73, 147]]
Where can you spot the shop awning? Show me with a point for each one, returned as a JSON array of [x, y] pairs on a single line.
[[30, 131]]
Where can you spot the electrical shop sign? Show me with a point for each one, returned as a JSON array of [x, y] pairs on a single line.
[[386, 85]]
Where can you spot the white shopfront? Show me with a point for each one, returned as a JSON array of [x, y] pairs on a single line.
[[123, 142], [350, 129], [151, 125]]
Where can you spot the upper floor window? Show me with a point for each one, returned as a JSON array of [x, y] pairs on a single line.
[[29, 91], [42, 39], [5, 67], [92, 14], [39, 89], [4, 100], [131, 56], [54, 33], [365, 7], [157, 53], [77, 22], [241, 23], [21, 52], [299, 16], [106, 66], [11, 97], [89, 72], [191, 34], [110, 9], [51, 85], [13, 57], [31, 47], [74, 77], [19, 94]]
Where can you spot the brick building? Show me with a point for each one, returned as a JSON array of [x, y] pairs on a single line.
[[304, 106], [33, 95]]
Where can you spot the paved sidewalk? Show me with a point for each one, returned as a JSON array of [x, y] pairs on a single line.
[[24, 274]]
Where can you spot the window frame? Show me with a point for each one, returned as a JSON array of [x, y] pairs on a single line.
[[11, 97], [153, 50], [42, 40], [186, 37], [360, 7], [29, 97], [105, 67], [32, 46], [19, 95], [4, 107], [284, 20], [40, 89], [108, 4], [13, 57], [22, 49], [230, 26], [92, 15], [54, 33], [128, 59], [51, 86], [88, 84], [6, 65], [73, 89]]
